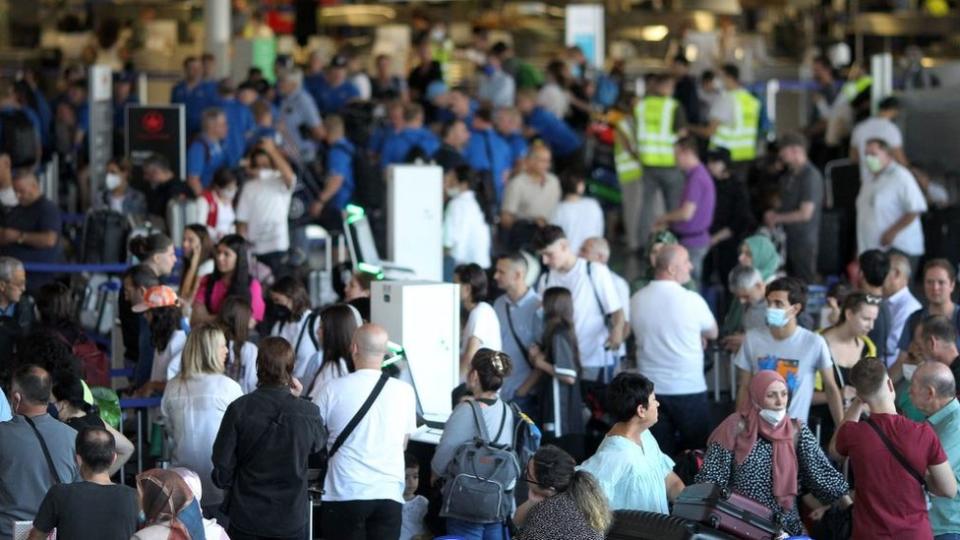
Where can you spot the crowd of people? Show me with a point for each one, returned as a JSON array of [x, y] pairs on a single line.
[[258, 389]]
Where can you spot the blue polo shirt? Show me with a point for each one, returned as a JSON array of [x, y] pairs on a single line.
[[263, 132], [445, 115], [296, 110], [487, 151], [120, 112], [398, 145], [331, 99], [559, 136], [195, 100], [204, 157], [340, 163], [518, 146], [239, 126], [314, 84]]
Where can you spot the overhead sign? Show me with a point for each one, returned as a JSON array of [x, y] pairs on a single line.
[[159, 129], [584, 28]]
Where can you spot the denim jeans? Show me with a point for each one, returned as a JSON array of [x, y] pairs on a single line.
[[947, 536], [477, 531]]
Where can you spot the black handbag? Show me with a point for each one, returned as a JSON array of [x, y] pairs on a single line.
[[836, 524]]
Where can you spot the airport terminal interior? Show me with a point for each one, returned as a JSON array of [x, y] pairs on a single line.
[[479, 269]]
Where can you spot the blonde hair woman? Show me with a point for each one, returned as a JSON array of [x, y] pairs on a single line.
[[194, 403]]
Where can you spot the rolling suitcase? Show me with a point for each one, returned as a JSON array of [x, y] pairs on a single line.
[[721, 509], [634, 525]]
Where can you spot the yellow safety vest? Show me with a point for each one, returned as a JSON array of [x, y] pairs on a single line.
[[628, 168], [655, 132], [852, 89], [741, 138]]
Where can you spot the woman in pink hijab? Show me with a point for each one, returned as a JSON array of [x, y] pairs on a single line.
[[760, 453]]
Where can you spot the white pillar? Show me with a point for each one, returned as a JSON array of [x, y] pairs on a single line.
[[216, 27], [881, 70]]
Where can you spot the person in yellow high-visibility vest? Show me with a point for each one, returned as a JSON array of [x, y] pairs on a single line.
[[734, 120], [659, 120], [629, 169]]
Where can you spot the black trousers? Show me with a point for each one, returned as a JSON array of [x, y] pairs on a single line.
[[684, 423], [361, 520]]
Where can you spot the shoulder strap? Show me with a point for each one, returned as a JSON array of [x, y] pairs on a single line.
[[513, 332], [503, 422], [593, 287], [211, 209], [896, 453], [254, 449], [46, 452], [311, 318], [359, 416], [478, 418]]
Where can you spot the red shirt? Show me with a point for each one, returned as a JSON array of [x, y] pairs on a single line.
[[889, 501], [220, 294]]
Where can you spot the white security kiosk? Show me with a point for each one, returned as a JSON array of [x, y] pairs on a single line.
[[415, 219], [424, 319]]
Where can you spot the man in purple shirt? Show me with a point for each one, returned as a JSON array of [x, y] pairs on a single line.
[[691, 220]]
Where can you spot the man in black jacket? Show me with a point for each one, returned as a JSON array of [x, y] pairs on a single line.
[[261, 451]]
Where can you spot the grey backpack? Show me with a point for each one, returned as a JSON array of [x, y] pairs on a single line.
[[481, 477]]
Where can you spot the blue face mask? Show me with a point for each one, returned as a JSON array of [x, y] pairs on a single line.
[[777, 317]]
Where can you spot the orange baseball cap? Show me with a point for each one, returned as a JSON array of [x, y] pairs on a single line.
[[155, 297]]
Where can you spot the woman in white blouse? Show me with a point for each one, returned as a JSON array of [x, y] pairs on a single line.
[[334, 360], [295, 322], [194, 403], [466, 228], [481, 327]]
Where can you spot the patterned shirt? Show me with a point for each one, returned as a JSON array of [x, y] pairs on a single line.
[[753, 478]]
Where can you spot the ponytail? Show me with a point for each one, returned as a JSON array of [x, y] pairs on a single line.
[[590, 500], [144, 247]]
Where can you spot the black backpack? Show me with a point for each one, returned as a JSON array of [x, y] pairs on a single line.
[[369, 188], [358, 122], [19, 138], [305, 192], [104, 239]]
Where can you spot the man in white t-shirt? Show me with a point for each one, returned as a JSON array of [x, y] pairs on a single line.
[[794, 352], [264, 205], [889, 205], [597, 250], [671, 325], [881, 126], [594, 299], [363, 489]]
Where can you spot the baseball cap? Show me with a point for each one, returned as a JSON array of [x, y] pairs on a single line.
[[338, 61], [157, 297]]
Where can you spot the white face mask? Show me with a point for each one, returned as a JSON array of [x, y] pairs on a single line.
[[8, 197], [264, 174], [452, 192], [772, 416], [908, 371], [228, 194], [112, 181]]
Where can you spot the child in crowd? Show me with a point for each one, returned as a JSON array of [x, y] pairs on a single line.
[[414, 506]]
